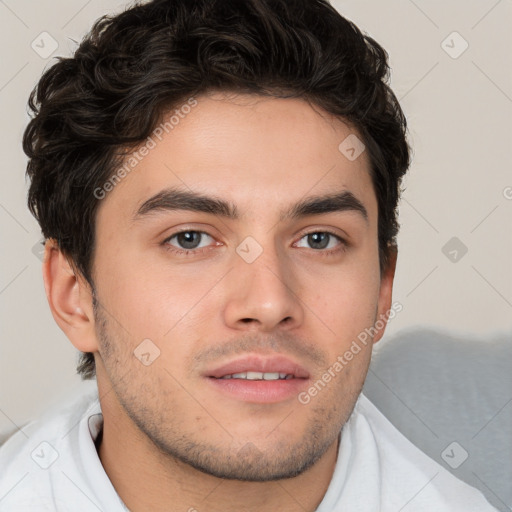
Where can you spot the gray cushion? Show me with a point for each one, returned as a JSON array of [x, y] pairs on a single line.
[[452, 397]]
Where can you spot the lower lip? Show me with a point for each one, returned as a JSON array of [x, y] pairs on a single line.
[[260, 391]]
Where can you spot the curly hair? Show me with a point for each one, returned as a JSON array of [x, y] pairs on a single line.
[[90, 109]]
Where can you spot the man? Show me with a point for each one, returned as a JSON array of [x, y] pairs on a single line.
[[217, 183]]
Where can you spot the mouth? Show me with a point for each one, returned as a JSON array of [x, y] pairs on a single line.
[[259, 379], [251, 375]]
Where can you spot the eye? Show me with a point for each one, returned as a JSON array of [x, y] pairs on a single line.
[[190, 240], [319, 240]]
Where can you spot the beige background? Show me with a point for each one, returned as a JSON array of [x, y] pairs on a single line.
[[460, 184]]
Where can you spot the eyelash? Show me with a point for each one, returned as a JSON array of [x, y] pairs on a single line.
[[342, 247]]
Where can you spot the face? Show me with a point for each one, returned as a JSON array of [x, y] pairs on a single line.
[[215, 314]]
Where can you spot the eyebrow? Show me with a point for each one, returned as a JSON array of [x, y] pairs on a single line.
[[173, 199]]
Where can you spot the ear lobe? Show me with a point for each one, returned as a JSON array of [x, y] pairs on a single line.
[[70, 306], [385, 294]]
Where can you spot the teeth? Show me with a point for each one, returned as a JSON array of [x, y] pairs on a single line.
[[259, 376]]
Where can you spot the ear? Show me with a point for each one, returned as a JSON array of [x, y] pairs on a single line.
[[385, 294], [70, 299]]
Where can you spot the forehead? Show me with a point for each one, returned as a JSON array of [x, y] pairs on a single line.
[[258, 152]]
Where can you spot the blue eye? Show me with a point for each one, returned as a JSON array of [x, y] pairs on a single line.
[[188, 240], [320, 240], [192, 242]]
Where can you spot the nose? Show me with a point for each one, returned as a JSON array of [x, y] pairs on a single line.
[[263, 295]]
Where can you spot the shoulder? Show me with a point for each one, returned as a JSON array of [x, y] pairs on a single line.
[[407, 474], [35, 456]]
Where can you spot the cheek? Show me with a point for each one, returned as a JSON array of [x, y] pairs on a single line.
[[347, 302], [146, 297]]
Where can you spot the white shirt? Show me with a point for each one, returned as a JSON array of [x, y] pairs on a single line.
[[52, 465]]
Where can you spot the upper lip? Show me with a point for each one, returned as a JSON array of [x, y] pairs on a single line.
[[263, 364]]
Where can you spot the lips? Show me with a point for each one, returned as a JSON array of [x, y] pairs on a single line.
[[258, 379], [259, 368], [259, 376]]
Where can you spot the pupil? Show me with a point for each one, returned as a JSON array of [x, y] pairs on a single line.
[[321, 240], [188, 239]]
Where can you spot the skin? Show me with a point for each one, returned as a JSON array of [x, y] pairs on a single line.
[[167, 431]]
